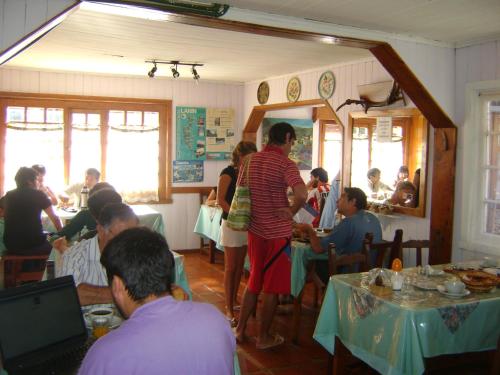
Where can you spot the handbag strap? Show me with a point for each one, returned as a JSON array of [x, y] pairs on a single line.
[[275, 256], [245, 172]]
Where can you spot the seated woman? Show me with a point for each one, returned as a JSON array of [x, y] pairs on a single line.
[[403, 174], [318, 187], [23, 207], [41, 171], [405, 195], [83, 219]]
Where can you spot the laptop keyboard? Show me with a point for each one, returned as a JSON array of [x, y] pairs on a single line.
[[66, 363]]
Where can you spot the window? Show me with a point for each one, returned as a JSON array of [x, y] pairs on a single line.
[[331, 148], [125, 139], [480, 219]]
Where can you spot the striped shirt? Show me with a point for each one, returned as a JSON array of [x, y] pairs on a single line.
[[271, 172], [83, 261]]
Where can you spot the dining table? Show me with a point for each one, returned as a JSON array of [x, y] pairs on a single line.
[[396, 332], [208, 227], [147, 215]]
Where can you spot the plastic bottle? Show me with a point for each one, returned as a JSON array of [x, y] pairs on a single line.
[[84, 196]]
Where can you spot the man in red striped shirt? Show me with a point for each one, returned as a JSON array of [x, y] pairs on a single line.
[[270, 232]]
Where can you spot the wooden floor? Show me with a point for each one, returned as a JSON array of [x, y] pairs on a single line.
[[206, 282]]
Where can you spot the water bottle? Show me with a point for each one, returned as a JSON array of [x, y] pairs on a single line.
[[84, 196], [50, 269]]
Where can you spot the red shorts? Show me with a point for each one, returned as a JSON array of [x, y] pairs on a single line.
[[276, 279]]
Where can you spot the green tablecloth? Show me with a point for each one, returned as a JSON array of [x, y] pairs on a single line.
[[147, 216], [301, 255], [393, 334], [208, 224]]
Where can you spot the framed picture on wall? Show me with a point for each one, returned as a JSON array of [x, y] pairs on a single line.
[[293, 89], [326, 85], [263, 92]]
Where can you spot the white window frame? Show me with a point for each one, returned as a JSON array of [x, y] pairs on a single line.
[[473, 217]]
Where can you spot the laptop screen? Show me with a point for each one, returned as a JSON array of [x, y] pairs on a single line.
[[39, 319]]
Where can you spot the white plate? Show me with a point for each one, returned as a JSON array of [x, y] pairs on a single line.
[[441, 289], [425, 284], [321, 234]]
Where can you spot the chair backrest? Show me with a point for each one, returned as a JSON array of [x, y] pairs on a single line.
[[385, 250], [12, 269], [351, 263], [418, 245]]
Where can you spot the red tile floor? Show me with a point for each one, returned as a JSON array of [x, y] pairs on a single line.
[[206, 282]]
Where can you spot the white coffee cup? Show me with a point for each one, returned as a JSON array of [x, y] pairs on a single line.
[[454, 286]]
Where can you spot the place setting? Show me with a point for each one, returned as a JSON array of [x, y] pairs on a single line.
[[101, 319]]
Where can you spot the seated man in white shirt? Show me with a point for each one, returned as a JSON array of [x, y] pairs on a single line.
[[83, 259], [72, 193]]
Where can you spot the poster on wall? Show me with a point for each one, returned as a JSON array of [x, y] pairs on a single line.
[[190, 133], [219, 133], [301, 152], [188, 171]]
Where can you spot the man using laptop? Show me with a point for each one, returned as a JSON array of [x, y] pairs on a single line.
[[161, 335], [83, 259]]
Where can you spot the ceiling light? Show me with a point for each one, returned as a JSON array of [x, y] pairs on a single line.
[[196, 76], [175, 72], [173, 67], [153, 70]]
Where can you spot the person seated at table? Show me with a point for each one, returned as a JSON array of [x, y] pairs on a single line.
[[160, 335], [405, 195], [82, 259], [72, 193], [41, 171], [349, 234], [376, 188], [402, 175], [24, 233], [84, 218], [317, 187], [330, 206]]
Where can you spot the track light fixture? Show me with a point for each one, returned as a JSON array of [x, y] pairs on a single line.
[[175, 72], [196, 76], [153, 70], [173, 67]]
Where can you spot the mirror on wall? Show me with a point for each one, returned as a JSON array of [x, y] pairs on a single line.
[[386, 156]]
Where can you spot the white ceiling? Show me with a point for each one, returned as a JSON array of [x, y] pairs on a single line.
[[458, 22], [89, 41], [96, 42]]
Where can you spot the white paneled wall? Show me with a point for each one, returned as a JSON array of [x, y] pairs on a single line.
[[473, 64], [348, 77], [180, 217]]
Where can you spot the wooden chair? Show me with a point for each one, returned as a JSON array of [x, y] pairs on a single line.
[[418, 245], [352, 263], [13, 265], [384, 250]]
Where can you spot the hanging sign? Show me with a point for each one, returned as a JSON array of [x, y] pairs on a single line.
[[384, 129]]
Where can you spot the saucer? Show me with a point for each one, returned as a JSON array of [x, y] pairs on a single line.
[[115, 322], [441, 289]]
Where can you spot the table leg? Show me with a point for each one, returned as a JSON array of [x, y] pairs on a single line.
[[339, 358], [211, 251], [297, 310]]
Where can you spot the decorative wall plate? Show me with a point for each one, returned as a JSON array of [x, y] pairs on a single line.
[[263, 92], [326, 85], [293, 89]]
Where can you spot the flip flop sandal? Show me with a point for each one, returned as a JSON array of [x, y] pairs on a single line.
[[277, 340]]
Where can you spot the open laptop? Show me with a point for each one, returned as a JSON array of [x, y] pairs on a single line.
[[39, 324]]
